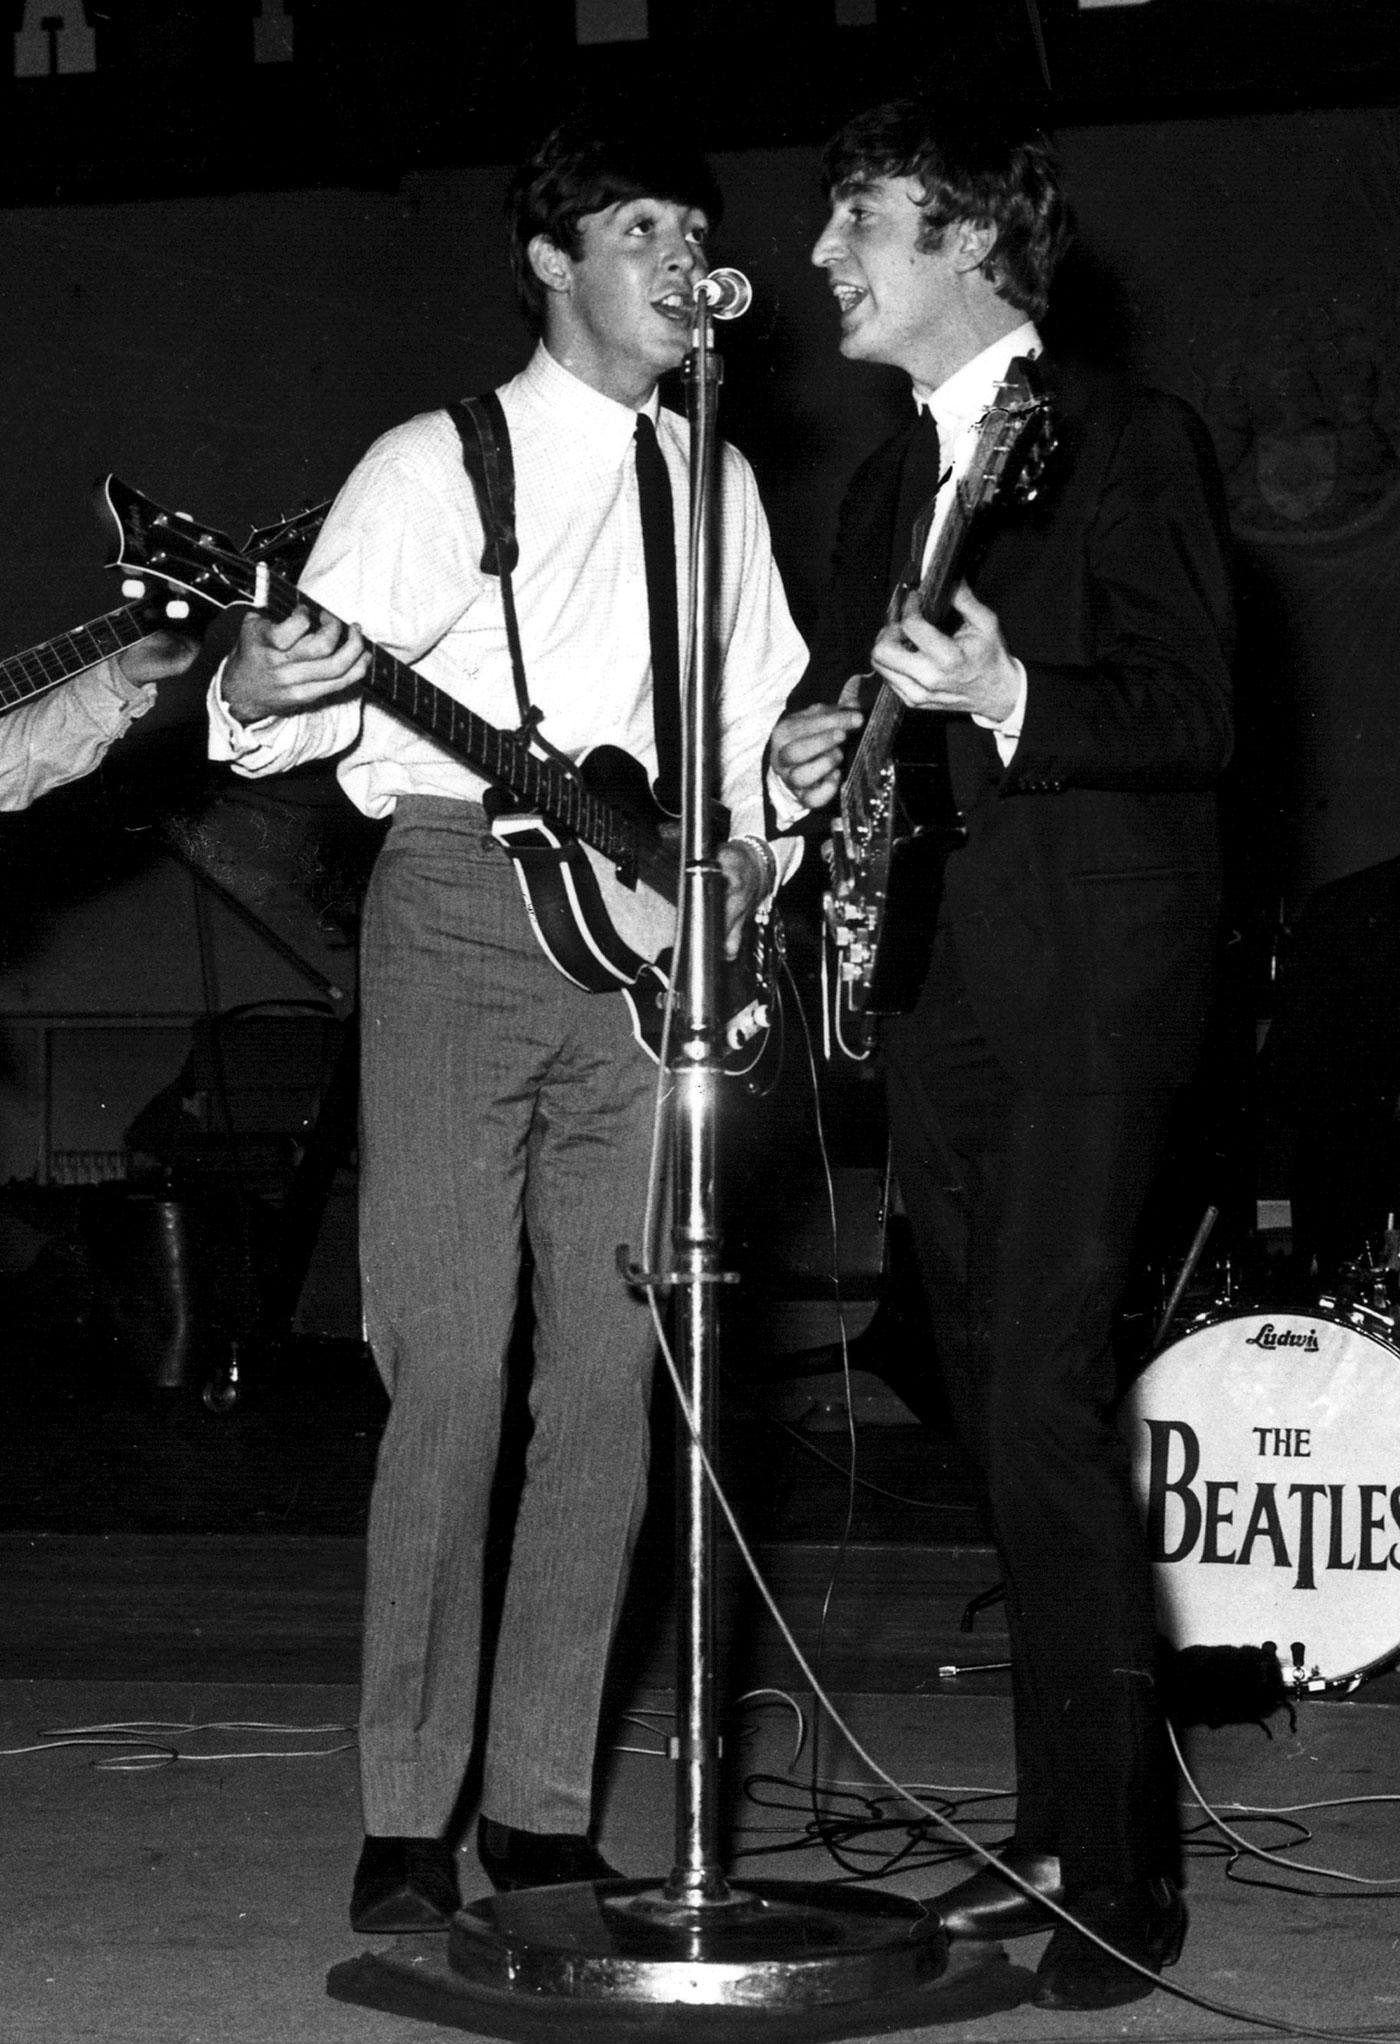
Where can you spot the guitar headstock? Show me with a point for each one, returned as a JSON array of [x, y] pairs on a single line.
[[286, 544], [1036, 455], [173, 548], [1019, 436]]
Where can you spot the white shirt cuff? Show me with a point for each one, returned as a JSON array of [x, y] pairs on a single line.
[[787, 810], [135, 697], [1008, 731], [228, 739]]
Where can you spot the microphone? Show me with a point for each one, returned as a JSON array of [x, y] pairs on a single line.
[[728, 293]]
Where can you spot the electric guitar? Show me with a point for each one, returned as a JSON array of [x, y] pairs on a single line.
[[898, 820], [599, 877], [25, 676]]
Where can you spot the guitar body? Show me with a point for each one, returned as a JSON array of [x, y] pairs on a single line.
[[588, 926], [608, 937], [886, 881]]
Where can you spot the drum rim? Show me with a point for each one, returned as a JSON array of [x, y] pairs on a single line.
[[1213, 1318], [1319, 1684]]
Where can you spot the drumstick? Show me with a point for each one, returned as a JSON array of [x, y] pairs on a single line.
[[1193, 1257]]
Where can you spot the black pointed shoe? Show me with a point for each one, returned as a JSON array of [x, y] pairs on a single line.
[[404, 1885], [986, 1906], [537, 1859], [1146, 1923]]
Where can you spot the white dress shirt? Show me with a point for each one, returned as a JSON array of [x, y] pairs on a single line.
[[400, 555], [65, 734]]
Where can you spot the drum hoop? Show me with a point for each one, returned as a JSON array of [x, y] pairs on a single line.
[[1223, 1316]]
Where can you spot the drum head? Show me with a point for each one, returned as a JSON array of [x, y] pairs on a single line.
[[1266, 1462]]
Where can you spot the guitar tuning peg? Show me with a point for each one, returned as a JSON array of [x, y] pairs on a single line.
[[177, 607], [133, 589], [186, 516]]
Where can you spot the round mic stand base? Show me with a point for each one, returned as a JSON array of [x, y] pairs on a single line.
[[768, 1945]]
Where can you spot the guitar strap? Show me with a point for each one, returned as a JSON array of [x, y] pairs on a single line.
[[486, 456]]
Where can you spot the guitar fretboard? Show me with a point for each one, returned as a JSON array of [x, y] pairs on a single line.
[[23, 676], [864, 783], [506, 759]]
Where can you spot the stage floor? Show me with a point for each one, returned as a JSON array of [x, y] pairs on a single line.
[[197, 1576], [159, 1901]]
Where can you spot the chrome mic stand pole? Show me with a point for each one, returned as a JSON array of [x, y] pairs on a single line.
[[697, 1069]]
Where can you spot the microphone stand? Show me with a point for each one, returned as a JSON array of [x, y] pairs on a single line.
[[697, 1069], [696, 1939]]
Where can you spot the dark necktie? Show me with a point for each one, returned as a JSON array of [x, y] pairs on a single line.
[[918, 486], [659, 555]]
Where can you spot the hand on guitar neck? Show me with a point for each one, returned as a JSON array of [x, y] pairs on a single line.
[[968, 668], [157, 657], [280, 666]]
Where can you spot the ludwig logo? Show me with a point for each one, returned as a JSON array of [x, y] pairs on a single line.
[[1270, 1336]]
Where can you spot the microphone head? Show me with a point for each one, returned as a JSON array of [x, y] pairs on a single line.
[[728, 293]]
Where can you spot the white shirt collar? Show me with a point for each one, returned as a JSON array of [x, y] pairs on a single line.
[[963, 397], [609, 426]]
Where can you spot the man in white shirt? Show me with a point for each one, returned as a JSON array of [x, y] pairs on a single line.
[[65, 734], [1080, 693], [498, 1100]]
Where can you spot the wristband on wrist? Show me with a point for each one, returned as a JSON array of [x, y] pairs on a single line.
[[766, 859]]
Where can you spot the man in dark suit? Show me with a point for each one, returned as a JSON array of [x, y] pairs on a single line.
[[1084, 694]]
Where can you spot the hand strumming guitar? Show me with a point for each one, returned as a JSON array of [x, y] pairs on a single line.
[[808, 748], [747, 878]]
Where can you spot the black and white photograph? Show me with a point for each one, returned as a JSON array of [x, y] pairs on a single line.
[[699, 1021]]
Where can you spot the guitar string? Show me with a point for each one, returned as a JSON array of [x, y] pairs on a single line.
[[501, 754]]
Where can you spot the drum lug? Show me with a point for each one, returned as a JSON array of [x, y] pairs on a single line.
[[1370, 1319]]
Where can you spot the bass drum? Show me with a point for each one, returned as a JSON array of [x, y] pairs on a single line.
[[1266, 1461]]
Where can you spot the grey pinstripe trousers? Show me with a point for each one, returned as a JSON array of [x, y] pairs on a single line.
[[495, 1096]]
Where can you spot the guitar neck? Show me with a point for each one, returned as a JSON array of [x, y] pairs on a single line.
[[505, 759], [860, 793], [945, 563], [34, 672], [864, 782]]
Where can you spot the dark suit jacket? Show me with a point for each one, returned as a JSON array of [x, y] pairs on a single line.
[[1085, 902]]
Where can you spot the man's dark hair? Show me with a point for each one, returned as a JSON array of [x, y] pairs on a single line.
[[986, 171], [578, 170]]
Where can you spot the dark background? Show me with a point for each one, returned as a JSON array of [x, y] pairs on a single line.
[[240, 238], [256, 232]]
